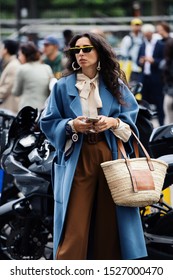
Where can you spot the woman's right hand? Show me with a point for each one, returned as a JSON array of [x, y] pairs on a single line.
[[80, 125]]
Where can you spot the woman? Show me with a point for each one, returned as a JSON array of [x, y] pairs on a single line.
[[32, 78], [87, 224], [168, 82]]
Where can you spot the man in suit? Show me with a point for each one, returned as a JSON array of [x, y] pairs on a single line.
[[150, 56], [10, 64]]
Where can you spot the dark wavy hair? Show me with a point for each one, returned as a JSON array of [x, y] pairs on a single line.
[[110, 67], [30, 51], [165, 26]]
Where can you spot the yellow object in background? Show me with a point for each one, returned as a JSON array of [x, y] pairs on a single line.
[[126, 66], [138, 96], [167, 196]]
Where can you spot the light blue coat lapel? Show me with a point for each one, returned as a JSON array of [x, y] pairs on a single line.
[[106, 97], [72, 91]]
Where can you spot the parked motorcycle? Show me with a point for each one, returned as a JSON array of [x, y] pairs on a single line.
[[158, 224], [144, 117], [157, 219], [26, 222]]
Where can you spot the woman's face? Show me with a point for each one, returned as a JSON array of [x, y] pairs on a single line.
[[87, 60]]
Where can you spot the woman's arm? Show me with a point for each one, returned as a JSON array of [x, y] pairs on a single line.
[[17, 89]]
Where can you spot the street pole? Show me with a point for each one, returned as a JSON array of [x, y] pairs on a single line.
[[18, 18]]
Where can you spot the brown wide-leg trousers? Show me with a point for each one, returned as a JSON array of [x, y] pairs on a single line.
[[90, 197]]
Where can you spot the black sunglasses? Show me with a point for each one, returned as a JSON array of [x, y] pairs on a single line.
[[85, 49]]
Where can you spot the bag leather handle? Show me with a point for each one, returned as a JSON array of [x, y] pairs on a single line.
[[136, 150], [121, 150]]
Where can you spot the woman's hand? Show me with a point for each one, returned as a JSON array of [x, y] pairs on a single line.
[[105, 123], [81, 125]]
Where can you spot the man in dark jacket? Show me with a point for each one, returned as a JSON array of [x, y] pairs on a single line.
[[150, 55]]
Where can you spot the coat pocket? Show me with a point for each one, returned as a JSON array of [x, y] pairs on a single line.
[[59, 173]]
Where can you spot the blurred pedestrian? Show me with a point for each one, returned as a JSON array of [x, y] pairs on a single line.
[[32, 78], [98, 31], [9, 66], [52, 55], [87, 223], [150, 55], [68, 35], [168, 82], [163, 29], [129, 48]]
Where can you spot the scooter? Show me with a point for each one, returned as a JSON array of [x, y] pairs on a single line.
[[144, 117], [158, 224], [26, 223]]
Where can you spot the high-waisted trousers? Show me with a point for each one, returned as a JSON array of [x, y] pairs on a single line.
[[90, 230]]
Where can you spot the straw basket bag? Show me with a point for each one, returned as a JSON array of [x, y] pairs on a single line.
[[135, 182]]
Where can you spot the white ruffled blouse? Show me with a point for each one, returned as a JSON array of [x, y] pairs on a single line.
[[91, 103]]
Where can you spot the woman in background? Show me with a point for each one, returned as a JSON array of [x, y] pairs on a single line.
[[32, 78]]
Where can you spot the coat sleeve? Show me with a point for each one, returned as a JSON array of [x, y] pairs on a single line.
[[17, 89], [6, 81], [125, 46], [141, 53], [130, 108], [128, 113], [158, 54]]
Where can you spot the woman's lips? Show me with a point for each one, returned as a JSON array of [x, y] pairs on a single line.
[[82, 61]]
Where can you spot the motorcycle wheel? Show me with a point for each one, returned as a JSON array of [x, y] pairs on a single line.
[[26, 238]]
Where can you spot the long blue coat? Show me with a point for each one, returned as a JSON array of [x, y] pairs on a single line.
[[63, 105]]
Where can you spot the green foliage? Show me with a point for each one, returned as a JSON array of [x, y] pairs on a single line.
[[8, 3], [79, 8], [82, 8], [96, 2], [119, 12], [63, 2], [77, 2]]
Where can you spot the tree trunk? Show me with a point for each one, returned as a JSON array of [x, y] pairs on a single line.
[[157, 7]]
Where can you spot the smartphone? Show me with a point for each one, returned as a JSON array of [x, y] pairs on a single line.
[[93, 120]]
